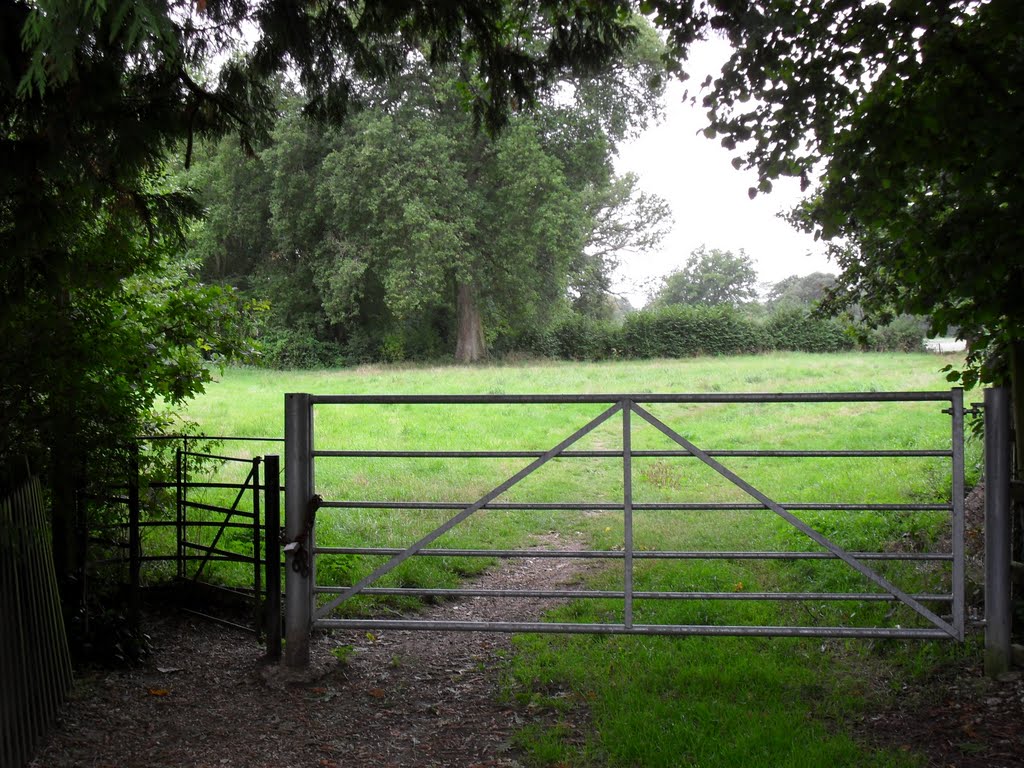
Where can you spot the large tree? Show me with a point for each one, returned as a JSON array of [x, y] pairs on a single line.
[[93, 97], [407, 220]]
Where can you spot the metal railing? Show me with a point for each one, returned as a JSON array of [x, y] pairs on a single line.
[[304, 610], [190, 533]]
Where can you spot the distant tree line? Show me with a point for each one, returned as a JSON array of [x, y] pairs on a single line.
[[711, 306], [408, 234]]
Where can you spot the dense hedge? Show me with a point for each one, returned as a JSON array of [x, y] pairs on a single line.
[[795, 330], [675, 331], [680, 331]]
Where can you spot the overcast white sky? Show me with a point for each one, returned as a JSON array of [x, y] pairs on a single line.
[[709, 197]]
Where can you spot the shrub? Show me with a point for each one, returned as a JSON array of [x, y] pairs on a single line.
[[577, 337], [680, 331], [286, 348], [904, 334], [795, 329]]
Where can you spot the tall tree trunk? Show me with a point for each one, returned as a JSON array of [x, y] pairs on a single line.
[[1017, 409], [66, 462], [469, 346], [1017, 405]]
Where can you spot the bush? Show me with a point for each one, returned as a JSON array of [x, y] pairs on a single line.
[[680, 331], [796, 330], [286, 348], [577, 337], [904, 334]]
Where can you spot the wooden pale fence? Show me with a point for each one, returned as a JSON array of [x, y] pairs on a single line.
[[35, 666]]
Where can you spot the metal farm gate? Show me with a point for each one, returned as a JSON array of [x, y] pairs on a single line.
[[310, 604]]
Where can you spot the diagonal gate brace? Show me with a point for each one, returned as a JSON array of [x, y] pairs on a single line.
[[797, 523], [486, 499]]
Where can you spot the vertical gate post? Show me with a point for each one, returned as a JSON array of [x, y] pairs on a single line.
[[627, 509], [272, 542], [997, 531], [257, 547], [179, 505], [957, 413], [298, 495], [134, 540]]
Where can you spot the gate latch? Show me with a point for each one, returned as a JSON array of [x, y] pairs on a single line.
[[297, 547]]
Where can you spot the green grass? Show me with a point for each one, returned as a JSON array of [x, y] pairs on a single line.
[[651, 701]]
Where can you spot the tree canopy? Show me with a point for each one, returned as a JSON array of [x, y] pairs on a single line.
[[904, 116], [104, 321], [405, 231], [801, 290], [710, 278]]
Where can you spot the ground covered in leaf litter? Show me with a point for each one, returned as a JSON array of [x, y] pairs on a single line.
[[957, 717], [207, 697]]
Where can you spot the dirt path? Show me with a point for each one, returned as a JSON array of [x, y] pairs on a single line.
[[205, 697]]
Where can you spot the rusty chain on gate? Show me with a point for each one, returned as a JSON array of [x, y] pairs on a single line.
[[297, 547]]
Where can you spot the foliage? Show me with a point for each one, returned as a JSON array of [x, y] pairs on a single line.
[[791, 328], [298, 348], [801, 290], [416, 209], [904, 333], [578, 337], [403, 232], [906, 115], [681, 331], [710, 278], [621, 220], [694, 331]]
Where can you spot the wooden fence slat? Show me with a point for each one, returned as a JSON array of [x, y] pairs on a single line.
[[34, 660]]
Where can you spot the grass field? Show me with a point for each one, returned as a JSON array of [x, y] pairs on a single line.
[[651, 701]]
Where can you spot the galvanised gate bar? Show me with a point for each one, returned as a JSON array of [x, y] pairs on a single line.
[[310, 605]]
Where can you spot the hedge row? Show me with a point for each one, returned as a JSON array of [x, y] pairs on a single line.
[[676, 331], [693, 331]]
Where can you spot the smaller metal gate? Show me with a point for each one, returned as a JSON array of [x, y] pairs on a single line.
[[303, 612], [198, 536], [202, 529], [200, 550]]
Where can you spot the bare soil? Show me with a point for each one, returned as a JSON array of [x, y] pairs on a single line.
[[957, 716], [206, 695]]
